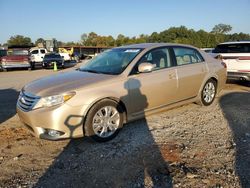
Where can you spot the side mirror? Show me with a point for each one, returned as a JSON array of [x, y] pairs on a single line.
[[146, 67]]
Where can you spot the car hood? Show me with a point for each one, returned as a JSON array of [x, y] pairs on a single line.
[[15, 57], [64, 82]]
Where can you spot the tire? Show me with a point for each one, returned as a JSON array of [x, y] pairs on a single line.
[[99, 116], [32, 66], [4, 69], [208, 92]]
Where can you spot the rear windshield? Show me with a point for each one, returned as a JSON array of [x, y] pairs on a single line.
[[233, 48], [52, 56]]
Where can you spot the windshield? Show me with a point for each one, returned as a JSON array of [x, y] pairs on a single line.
[[233, 48], [52, 56], [112, 61], [18, 52]]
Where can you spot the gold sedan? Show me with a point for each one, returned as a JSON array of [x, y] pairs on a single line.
[[119, 85]]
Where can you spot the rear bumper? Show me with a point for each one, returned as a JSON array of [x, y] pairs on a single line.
[[238, 76]]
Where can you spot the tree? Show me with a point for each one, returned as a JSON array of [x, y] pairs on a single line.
[[221, 29], [19, 40], [39, 41], [84, 38]]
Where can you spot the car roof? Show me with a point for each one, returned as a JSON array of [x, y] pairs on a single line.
[[152, 45], [236, 42]]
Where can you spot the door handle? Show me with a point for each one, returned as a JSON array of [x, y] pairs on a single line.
[[172, 76], [203, 70]]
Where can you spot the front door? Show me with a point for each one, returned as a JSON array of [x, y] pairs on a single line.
[[154, 89]]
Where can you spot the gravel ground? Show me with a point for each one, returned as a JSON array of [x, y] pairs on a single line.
[[189, 146]]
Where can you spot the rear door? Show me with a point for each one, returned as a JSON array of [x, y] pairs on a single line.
[[191, 71], [153, 89]]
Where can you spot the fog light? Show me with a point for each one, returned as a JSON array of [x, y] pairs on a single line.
[[54, 133]]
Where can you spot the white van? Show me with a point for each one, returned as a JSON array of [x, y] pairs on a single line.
[[236, 55]]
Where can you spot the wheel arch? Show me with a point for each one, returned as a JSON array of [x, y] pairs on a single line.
[[117, 100]]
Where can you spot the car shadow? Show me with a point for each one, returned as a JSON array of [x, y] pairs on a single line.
[[239, 82], [132, 159], [8, 99], [236, 109]]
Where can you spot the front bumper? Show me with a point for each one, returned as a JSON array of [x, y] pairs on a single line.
[[51, 64], [65, 118], [15, 65], [245, 76]]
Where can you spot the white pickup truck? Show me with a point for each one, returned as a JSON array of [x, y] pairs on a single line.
[[36, 57]]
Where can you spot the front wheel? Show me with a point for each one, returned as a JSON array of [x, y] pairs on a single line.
[[104, 120], [208, 92]]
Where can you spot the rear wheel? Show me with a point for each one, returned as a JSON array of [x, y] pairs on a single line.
[[104, 120], [208, 92]]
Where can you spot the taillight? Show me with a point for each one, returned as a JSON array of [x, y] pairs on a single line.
[[219, 57], [224, 65]]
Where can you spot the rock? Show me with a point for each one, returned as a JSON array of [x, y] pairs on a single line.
[[206, 181], [17, 157], [191, 176]]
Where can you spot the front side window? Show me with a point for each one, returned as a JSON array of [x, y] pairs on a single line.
[[112, 61], [187, 56], [159, 57], [34, 52]]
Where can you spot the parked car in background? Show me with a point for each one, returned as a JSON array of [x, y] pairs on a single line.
[[65, 56], [3, 52], [15, 58], [120, 85], [51, 58], [207, 50], [236, 55], [36, 57]]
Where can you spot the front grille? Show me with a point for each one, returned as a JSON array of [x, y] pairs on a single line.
[[27, 101]]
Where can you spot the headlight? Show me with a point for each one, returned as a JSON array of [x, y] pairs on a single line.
[[3, 61], [54, 100]]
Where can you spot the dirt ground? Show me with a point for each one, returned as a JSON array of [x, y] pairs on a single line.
[[189, 146]]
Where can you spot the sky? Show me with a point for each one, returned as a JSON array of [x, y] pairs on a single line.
[[66, 20]]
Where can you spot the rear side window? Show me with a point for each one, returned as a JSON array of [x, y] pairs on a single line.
[[34, 52], [187, 56], [42, 51], [233, 48]]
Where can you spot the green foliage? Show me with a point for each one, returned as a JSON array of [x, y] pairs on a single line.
[[39, 41], [19, 40], [183, 35], [200, 38], [222, 28]]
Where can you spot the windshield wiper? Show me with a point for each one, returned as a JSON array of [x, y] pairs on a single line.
[[92, 71]]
